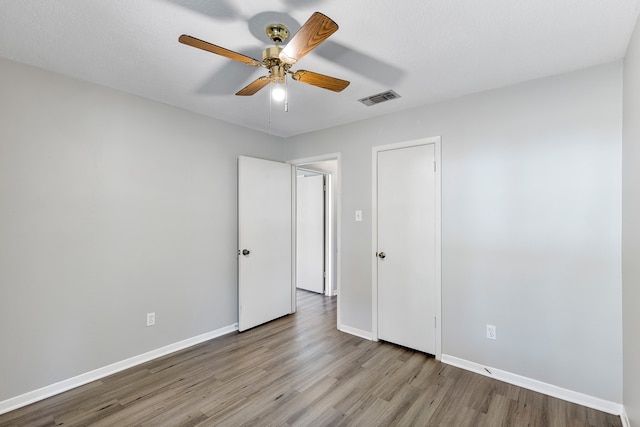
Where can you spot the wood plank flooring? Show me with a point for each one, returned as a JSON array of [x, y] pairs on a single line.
[[299, 370]]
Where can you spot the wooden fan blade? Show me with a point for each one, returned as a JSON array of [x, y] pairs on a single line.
[[201, 44], [254, 86], [316, 30], [320, 80]]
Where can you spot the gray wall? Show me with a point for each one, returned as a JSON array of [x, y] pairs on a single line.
[[531, 224], [631, 229], [111, 206]]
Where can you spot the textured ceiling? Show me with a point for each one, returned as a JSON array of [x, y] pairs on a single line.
[[425, 50]]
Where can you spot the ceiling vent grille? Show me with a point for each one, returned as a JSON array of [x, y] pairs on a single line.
[[378, 98]]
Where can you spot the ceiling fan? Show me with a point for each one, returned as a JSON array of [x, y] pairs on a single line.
[[279, 60]]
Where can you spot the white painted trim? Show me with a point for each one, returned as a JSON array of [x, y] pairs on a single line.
[[436, 141], [294, 240], [357, 332], [535, 385], [374, 244], [329, 244], [82, 379], [438, 237], [338, 193], [315, 159], [337, 187], [625, 418]]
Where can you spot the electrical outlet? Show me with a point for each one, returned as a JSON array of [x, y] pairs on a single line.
[[151, 319], [491, 332]]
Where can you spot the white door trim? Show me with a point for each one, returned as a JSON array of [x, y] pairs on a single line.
[[336, 189], [436, 141], [328, 227], [294, 249]]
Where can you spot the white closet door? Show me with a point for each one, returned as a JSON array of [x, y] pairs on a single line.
[[406, 249]]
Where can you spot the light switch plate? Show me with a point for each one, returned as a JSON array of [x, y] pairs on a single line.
[[358, 215]]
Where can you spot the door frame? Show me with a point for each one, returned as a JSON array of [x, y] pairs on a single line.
[[335, 188], [436, 141]]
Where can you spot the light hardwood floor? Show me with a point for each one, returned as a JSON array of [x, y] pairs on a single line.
[[299, 370]]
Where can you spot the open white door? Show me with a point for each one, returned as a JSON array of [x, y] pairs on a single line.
[[265, 232]]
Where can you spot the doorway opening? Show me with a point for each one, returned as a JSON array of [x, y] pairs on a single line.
[[326, 169], [313, 231]]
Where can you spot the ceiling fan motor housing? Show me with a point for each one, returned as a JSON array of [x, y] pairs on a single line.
[[271, 54], [271, 60]]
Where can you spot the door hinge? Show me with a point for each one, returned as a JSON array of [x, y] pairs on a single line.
[[434, 166], [435, 321]]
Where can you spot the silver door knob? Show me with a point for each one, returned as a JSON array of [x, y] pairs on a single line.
[[246, 252], [381, 255]]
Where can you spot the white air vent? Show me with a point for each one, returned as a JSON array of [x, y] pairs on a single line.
[[378, 98]]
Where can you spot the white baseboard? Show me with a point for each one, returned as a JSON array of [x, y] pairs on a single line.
[[68, 384], [535, 385], [357, 332], [625, 418]]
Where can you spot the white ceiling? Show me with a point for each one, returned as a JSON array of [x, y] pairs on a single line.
[[425, 50]]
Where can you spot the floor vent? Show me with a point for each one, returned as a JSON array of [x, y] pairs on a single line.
[[378, 98]]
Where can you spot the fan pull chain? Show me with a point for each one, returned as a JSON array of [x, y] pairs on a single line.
[[270, 102], [286, 95]]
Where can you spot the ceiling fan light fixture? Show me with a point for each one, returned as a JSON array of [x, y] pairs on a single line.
[[278, 92], [278, 81]]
